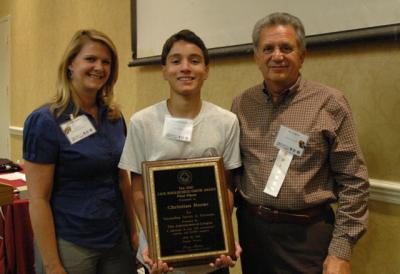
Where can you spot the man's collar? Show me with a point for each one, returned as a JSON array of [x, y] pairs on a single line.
[[290, 92]]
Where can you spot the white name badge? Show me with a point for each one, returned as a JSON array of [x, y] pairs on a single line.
[[179, 129], [291, 140], [278, 173], [77, 129]]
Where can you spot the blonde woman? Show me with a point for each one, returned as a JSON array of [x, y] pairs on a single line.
[[78, 196]]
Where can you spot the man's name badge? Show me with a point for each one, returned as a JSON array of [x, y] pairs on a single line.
[[290, 143], [179, 129], [291, 140], [77, 129]]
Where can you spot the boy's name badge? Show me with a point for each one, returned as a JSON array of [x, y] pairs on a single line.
[[291, 140], [77, 129], [179, 129]]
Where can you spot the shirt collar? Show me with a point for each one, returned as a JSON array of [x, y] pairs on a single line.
[[71, 106], [287, 94]]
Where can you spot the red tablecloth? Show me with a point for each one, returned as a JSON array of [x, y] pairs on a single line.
[[16, 237]]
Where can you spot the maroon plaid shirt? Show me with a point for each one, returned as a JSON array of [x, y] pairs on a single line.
[[332, 166]]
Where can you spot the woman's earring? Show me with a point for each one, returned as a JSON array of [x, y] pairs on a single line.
[[69, 74]]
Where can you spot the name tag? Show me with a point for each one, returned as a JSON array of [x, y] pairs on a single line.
[[179, 129], [291, 140], [77, 129]]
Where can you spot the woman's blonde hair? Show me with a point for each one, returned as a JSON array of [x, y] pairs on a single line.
[[65, 91]]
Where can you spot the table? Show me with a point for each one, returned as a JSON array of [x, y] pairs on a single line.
[[16, 236]]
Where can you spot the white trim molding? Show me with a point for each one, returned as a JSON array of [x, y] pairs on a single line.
[[15, 130], [380, 190], [385, 191]]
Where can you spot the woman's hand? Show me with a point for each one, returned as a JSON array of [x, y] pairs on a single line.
[[56, 269]]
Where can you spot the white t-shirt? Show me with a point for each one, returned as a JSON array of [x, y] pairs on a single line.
[[215, 133]]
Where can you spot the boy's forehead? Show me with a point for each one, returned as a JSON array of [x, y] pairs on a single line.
[[185, 47]]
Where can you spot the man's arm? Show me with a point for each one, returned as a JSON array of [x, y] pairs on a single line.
[[351, 177], [336, 265]]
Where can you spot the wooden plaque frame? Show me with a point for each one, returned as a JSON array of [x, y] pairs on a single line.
[[187, 207]]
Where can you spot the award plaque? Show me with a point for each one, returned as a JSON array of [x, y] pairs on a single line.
[[188, 216]]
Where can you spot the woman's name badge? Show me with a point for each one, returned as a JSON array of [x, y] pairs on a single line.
[[179, 129], [77, 129]]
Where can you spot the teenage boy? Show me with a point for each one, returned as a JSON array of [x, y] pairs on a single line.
[[214, 131]]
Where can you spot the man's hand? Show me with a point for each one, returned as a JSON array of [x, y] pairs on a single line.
[[336, 265]]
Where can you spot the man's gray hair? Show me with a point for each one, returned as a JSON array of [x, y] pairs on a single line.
[[276, 19]]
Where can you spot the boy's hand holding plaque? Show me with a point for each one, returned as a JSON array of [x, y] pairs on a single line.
[[187, 208]]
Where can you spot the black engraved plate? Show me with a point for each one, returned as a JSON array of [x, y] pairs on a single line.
[[187, 210]]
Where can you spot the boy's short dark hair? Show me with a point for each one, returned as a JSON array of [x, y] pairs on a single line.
[[184, 35]]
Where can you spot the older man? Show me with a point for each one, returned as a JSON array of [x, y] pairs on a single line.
[[300, 153]]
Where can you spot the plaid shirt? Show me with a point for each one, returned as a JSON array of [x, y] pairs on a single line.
[[332, 166]]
